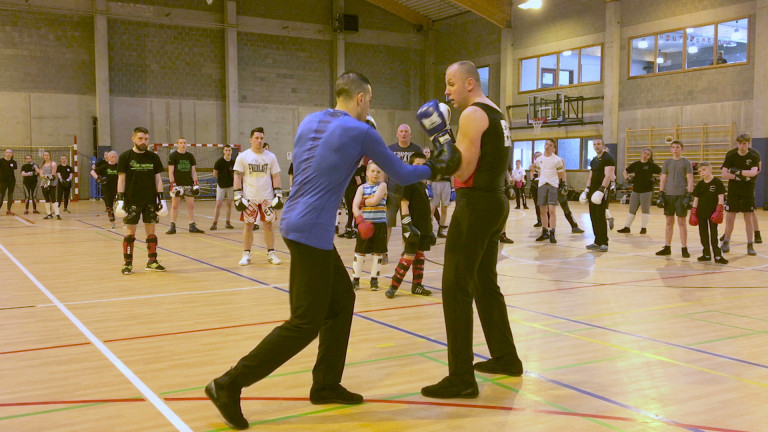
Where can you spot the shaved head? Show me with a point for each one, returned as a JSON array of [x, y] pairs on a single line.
[[466, 69]]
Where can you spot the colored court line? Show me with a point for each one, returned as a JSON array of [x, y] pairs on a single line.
[[438, 342], [116, 362], [559, 383], [722, 356]]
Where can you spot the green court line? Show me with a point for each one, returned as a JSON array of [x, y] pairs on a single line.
[[726, 338], [740, 316], [51, 410], [724, 325], [495, 381]]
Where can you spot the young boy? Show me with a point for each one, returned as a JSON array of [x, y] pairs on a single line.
[[675, 187], [707, 211], [370, 208], [417, 233]]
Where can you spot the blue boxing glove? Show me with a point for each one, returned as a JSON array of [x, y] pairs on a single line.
[[433, 118], [430, 195], [453, 195]]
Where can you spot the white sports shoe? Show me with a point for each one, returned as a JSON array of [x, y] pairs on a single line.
[[273, 259], [246, 259]]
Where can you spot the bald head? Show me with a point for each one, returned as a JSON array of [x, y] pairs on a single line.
[[466, 69], [404, 135]]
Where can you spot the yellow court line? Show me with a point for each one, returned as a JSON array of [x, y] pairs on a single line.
[[646, 354]]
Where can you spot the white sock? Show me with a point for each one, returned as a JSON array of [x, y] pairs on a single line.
[[47, 207], [357, 265], [56, 208], [630, 219], [376, 266], [644, 220]]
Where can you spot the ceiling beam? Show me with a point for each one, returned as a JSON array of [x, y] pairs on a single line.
[[403, 12], [495, 11]]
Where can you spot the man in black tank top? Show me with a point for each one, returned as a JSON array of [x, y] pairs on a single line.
[[473, 240]]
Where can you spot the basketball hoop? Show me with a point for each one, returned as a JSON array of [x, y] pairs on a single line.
[[536, 122]]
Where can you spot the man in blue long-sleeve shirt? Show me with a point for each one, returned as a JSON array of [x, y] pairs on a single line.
[[328, 146]]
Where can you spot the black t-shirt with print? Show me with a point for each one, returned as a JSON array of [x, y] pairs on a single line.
[[6, 170], [30, 168], [707, 194], [644, 172], [65, 171], [182, 163], [733, 159], [110, 172], [140, 170]]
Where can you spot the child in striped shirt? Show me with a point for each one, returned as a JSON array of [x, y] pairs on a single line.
[[371, 202]]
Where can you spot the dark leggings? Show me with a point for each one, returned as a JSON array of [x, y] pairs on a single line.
[[322, 301], [7, 187], [63, 195], [349, 196], [599, 224], [49, 194], [519, 193], [708, 233], [469, 274], [30, 195]]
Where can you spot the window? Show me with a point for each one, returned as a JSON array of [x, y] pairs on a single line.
[[570, 149], [701, 46], [566, 68], [589, 152], [483, 71], [690, 48]]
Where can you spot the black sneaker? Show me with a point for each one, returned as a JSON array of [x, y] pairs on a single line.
[[758, 239], [419, 289], [355, 283], [228, 225], [643, 231], [127, 269], [577, 230], [391, 292], [593, 246], [552, 238], [505, 239], [194, 229], [441, 233], [50, 216], [525, 207], [704, 258], [213, 227], [751, 250], [333, 394], [499, 367], [451, 387], [624, 230], [536, 225], [155, 266], [666, 250], [227, 401], [685, 253], [543, 236], [374, 284], [721, 260], [58, 217], [172, 229]]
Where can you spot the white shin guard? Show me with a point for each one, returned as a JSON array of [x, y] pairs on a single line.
[[357, 265]]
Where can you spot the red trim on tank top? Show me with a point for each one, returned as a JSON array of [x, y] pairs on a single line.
[[458, 184]]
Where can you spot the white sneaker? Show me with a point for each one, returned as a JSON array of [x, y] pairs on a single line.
[[246, 259], [273, 259]]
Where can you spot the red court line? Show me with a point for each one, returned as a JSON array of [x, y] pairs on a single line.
[[390, 401], [193, 331]]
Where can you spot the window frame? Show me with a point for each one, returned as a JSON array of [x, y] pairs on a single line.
[[685, 68], [582, 149], [575, 73]]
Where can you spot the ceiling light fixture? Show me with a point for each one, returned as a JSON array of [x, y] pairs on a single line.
[[530, 4]]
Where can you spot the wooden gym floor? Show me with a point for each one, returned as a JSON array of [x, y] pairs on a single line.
[[619, 341]]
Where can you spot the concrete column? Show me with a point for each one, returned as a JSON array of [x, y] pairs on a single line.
[[760, 97], [507, 71], [611, 59], [338, 55], [232, 99], [101, 63], [429, 67]]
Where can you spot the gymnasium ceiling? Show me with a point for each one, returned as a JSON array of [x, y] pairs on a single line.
[[425, 12]]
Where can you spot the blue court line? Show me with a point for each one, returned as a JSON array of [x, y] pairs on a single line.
[[672, 344], [550, 380]]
